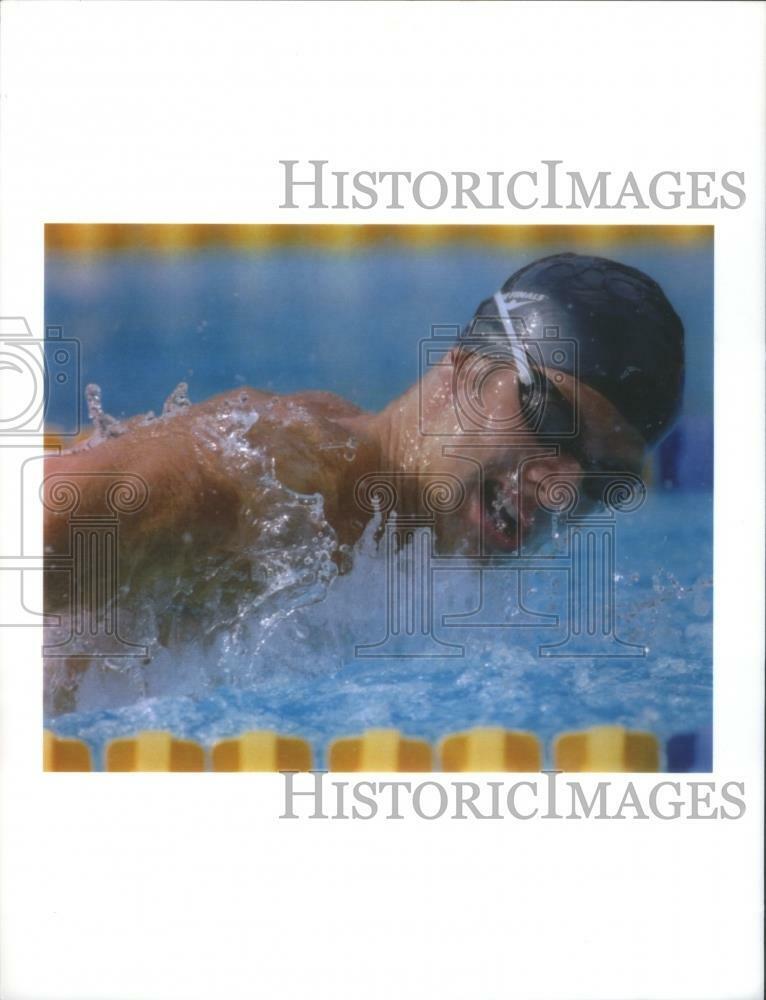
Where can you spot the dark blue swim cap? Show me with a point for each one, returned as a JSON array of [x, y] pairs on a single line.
[[630, 340]]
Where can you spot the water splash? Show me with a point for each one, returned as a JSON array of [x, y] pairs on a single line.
[[223, 606], [285, 657], [177, 401], [347, 448], [104, 425]]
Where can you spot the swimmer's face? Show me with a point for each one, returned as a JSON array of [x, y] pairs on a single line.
[[508, 444]]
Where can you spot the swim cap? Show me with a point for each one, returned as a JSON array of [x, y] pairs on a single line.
[[630, 341]]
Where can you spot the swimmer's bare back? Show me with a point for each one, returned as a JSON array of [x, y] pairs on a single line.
[[197, 491]]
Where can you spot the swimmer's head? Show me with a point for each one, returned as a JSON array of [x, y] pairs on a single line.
[[567, 374], [619, 334]]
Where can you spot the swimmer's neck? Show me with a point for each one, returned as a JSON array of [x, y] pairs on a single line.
[[392, 434]]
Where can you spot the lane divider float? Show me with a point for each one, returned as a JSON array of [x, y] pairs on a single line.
[[691, 751], [606, 748], [491, 748], [154, 751], [262, 751], [61, 754], [482, 749], [379, 750]]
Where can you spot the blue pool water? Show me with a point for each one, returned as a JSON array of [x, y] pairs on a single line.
[[299, 319]]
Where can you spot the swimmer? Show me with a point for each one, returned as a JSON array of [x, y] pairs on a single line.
[[574, 367]]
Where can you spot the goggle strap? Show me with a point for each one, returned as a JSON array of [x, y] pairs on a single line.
[[517, 348]]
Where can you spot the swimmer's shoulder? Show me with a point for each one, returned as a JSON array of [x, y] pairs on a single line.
[[325, 404], [318, 402]]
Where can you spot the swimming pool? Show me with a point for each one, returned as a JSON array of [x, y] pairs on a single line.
[[306, 680], [297, 319]]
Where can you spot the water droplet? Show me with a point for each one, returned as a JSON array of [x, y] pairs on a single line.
[[104, 425], [177, 401]]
